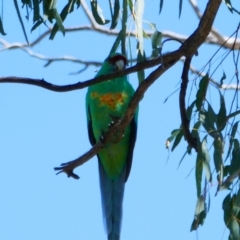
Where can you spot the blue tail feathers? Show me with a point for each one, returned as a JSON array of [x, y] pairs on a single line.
[[112, 192]]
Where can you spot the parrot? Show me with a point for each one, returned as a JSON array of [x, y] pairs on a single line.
[[107, 102]]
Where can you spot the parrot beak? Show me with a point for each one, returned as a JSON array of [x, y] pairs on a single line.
[[120, 65]]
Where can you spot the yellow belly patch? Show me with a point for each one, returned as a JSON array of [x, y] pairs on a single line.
[[112, 100]]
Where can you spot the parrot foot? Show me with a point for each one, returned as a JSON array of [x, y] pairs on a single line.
[[68, 169], [118, 135], [114, 120]]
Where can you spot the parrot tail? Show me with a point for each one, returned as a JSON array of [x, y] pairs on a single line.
[[112, 192]]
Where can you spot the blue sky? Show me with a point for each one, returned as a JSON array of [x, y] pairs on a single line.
[[41, 129]]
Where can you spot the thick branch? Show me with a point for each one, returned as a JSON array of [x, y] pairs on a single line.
[[118, 126], [65, 88], [188, 49], [191, 45], [220, 39]]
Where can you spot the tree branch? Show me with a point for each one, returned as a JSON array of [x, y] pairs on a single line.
[[189, 48], [65, 88], [220, 39], [119, 126]]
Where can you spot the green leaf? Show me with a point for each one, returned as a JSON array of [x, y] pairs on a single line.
[[226, 170], [97, 13], [177, 140], [27, 2], [201, 93], [207, 121], [231, 210], [48, 6], [20, 20], [155, 53], [212, 115], [198, 174], [229, 5], [145, 34], [1, 28], [139, 18], [234, 229], [141, 73], [156, 39], [160, 6], [130, 4], [235, 163], [153, 26], [115, 16], [222, 114], [232, 136], [206, 159], [226, 206], [174, 133], [195, 129], [69, 7], [184, 155], [78, 2], [200, 213], [59, 23], [36, 11], [217, 155], [180, 8], [38, 23], [237, 203], [189, 110]]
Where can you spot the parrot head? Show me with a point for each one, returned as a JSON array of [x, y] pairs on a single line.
[[117, 61]]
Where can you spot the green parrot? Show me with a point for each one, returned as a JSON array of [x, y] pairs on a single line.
[[105, 103]]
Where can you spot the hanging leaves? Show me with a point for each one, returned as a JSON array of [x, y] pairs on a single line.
[[156, 44], [180, 8], [66, 10], [229, 5], [20, 20], [115, 15], [231, 207], [207, 121], [202, 90], [232, 136], [222, 115], [198, 174], [139, 18], [141, 57], [98, 13], [200, 213]]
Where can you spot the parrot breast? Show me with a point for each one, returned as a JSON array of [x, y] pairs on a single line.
[[111, 100]]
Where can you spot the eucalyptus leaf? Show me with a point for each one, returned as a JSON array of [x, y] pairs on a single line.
[[141, 58], [139, 19], [160, 6], [198, 174], [222, 114], [97, 13], [232, 136], [115, 16], [1, 28], [202, 90]]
